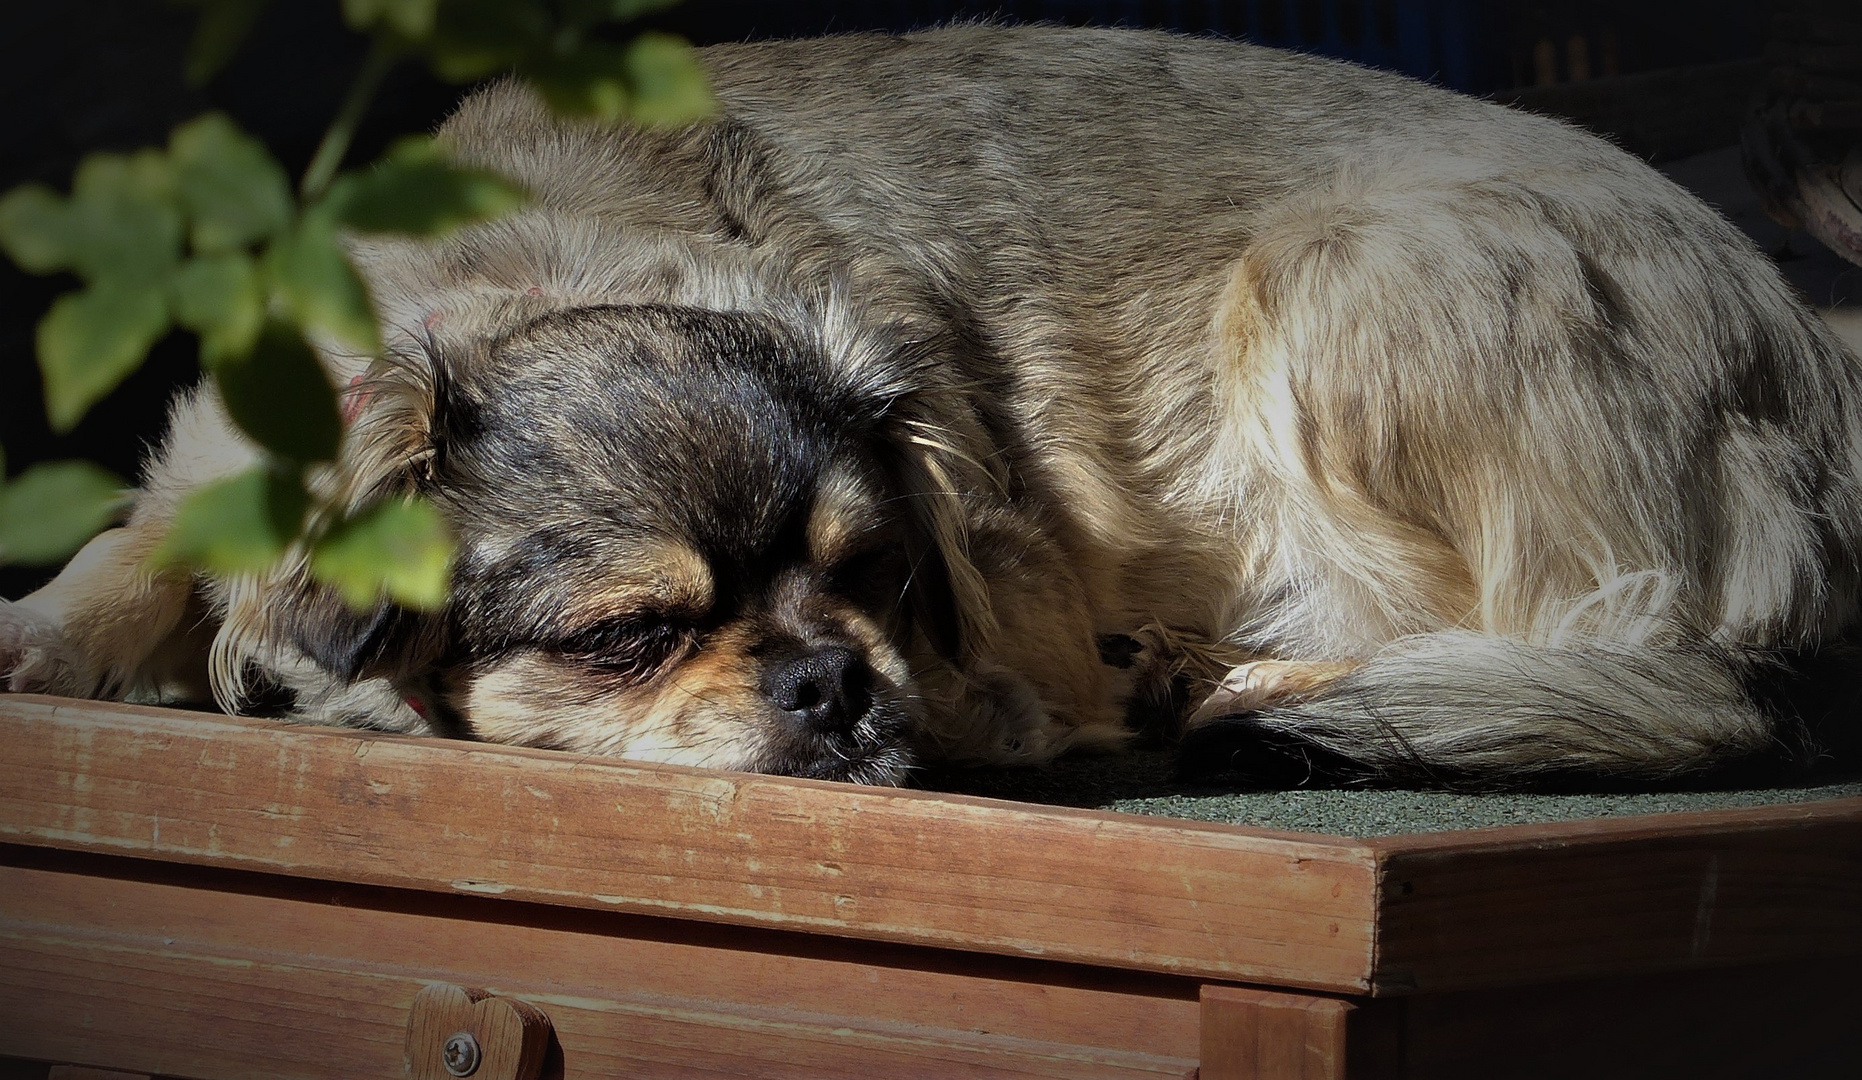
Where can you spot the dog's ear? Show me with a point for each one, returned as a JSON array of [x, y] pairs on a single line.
[[945, 486], [932, 605], [401, 415], [398, 419], [387, 642]]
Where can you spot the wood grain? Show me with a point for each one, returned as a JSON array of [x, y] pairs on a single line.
[[1400, 915], [536, 825], [1253, 1034], [212, 983], [1793, 1021], [1540, 903]]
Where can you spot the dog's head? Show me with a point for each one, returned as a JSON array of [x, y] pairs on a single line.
[[682, 536]]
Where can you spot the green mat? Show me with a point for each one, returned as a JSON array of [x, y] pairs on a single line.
[[1143, 783]]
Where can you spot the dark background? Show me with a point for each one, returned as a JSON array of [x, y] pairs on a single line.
[[82, 75]]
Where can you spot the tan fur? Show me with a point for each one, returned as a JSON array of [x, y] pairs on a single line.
[[139, 624]]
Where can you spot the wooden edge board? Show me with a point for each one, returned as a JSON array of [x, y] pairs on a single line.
[[1396, 915], [1537, 903], [916, 867], [177, 980]]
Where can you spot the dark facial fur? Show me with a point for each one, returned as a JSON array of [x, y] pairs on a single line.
[[673, 546]]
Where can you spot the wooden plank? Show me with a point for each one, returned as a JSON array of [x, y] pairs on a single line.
[[76, 1072], [1250, 1034], [544, 826], [1797, 1021], [212, 983], [1526, 904]]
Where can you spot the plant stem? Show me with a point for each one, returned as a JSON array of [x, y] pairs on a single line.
[[342, 130]]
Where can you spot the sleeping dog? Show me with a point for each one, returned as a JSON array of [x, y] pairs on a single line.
[[984, 393]]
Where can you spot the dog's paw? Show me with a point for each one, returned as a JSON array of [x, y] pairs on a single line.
[[990, 716], [35, 657], [1020, 725]]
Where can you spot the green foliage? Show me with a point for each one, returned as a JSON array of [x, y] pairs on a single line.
[[235, 193], [313, 279], [279, 395], [221, 299], [584, 12], [654, 79], [90, 340], [240, 525], [398, 549], [119, 230], [208, 236], [34, 229], [665, 80], [223, 25], [412, 19], [413, 191], [53, 508]]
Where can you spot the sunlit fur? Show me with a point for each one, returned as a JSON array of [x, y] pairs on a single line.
[[1218, 352]]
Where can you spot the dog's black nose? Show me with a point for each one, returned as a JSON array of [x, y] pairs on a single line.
[[829, 688]]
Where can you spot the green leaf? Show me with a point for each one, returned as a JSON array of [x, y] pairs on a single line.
[[412, 19], [591, 81], [124, 221], [279, 395], [239, 525], [474, 38], [308, 268], [655, 79], [35, 229], [586, 12], [219, 298], [223, 25], [52, 509], [235, 192], [90, 340], [120, 222], [667, 82], [399, 548], [414, 192]]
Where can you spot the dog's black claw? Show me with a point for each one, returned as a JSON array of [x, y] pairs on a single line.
[[1242, 751]]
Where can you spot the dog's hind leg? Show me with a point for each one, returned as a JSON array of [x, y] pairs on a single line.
[[1566, 497]]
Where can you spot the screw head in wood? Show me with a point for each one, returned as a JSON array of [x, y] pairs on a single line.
[[461, 1054]]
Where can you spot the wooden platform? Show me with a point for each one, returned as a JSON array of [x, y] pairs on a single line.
[[201, 896]]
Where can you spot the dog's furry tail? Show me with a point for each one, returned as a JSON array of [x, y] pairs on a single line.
[[1465, 709]]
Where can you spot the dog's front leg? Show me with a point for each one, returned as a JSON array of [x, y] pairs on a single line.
[[102, 627]]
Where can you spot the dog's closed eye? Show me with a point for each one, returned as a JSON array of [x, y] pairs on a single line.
[[636, 646]]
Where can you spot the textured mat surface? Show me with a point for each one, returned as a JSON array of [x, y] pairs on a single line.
[[1142, 784]]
